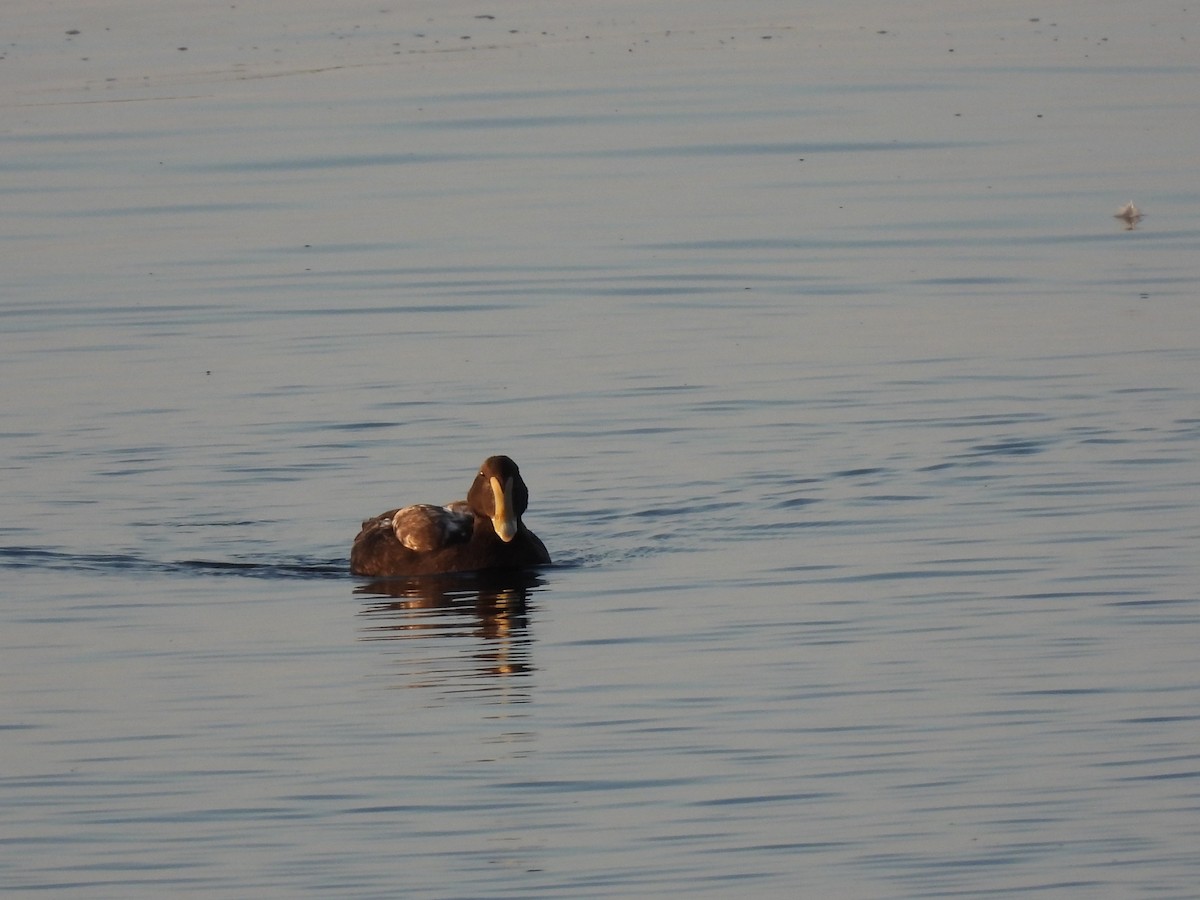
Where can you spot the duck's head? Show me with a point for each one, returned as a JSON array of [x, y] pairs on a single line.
[[499, 494]]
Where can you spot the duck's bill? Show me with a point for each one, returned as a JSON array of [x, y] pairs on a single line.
[[505, 519]]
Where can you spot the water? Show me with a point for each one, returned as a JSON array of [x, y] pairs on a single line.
[[863, 436]]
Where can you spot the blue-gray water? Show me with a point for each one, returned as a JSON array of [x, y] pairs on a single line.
[[866, 441]]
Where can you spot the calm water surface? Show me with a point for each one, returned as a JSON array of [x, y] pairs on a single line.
[[864, 437]]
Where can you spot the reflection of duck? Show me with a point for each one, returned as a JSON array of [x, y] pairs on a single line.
[[484, 531], [488, 590], [490, 606]]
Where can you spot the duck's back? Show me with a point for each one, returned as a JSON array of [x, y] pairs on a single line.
[[378, 552]]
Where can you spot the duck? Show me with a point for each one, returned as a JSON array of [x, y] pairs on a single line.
[[482, 532]]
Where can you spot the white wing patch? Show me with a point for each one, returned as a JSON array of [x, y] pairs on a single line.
[[424, 527]]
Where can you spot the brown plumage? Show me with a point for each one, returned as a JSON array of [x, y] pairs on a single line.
[[484, 531]]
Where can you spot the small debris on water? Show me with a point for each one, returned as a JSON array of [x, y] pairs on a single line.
[[1130, 215]]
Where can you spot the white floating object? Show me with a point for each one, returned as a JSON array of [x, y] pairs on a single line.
[[1129, 213]]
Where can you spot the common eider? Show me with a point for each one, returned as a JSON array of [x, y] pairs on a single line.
[[484, 531]]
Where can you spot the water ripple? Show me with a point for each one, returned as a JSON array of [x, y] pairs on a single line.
[[130, 564]]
